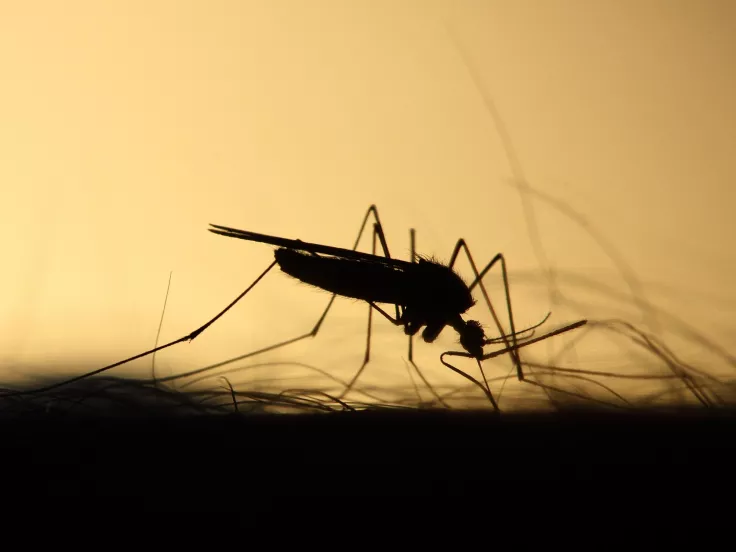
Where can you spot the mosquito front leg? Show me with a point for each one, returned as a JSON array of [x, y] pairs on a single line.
[[512, 345], [510, 342]]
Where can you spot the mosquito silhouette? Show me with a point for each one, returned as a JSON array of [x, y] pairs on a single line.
[[425, 294]]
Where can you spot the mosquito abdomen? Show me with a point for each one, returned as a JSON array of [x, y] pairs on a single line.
[[364, 280], [430, 290]]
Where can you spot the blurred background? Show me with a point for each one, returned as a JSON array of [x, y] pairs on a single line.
[[590, 142]]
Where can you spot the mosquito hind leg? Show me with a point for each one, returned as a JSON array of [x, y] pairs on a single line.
[[188, 337]]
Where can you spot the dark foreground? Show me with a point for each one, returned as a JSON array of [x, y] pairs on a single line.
[[330, 462]]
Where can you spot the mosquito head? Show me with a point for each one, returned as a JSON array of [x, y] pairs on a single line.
[[472, 336]]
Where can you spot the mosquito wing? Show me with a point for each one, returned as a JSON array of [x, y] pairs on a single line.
[[299, 245]]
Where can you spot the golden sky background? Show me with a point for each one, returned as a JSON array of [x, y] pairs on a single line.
[[128, 127]]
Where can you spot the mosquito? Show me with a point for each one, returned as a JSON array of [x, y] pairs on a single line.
[[424, 292]]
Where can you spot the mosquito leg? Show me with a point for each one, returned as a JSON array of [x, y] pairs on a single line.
[[467, 376], [188, 337], [412, 244], [379, 236], [512, 346], [199, 330], [378, 231], [395, 322], [547, 388], [510, 341]]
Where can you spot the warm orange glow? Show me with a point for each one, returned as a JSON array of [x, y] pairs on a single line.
[[128, 127]]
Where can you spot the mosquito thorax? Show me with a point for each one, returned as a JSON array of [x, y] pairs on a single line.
[[442, 289]]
